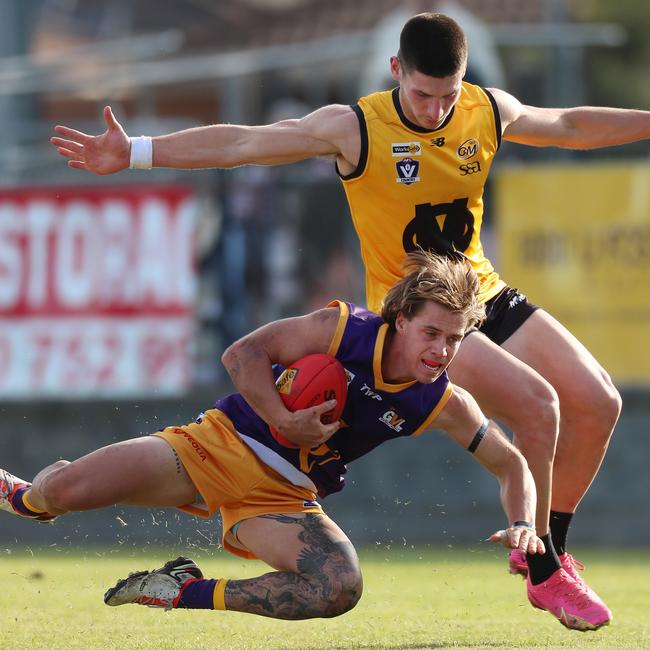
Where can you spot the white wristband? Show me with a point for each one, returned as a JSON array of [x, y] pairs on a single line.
[[141, 153]]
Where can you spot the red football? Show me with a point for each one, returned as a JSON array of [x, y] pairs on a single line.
[[312, 380]]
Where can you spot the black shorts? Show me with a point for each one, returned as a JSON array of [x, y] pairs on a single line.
[[505, 314]]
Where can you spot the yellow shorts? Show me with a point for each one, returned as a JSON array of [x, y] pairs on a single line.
[[230, 478]]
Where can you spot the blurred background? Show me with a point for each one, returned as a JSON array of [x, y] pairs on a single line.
[[118, 294]]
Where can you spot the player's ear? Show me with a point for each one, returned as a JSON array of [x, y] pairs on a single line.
[[400, 322], [395, 68]]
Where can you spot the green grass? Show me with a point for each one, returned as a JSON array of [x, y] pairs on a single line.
[[412, 600]]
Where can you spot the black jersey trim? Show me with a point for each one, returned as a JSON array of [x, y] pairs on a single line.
[[410, 125], [497, 115], [363, 154]]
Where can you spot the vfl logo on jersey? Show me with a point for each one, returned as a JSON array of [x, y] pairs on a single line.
[[406, 149], [468, 149], [368, 392], [470, 168], [407, 171], [350, 376], [392, 420], [284, 381]]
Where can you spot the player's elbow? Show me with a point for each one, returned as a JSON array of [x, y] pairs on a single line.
[[232, 355], [511, 464]]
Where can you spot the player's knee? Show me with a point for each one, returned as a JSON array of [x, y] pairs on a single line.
[[604, 408], [346, 594], [536, 422]]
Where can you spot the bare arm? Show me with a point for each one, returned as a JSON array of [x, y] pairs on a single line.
[[583, 127], [461, 418], [249, 363], [331, 130]]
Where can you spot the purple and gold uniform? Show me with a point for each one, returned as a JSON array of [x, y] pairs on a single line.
[[375, 411], [240, 469]]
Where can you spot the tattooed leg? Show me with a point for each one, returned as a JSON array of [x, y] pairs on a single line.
[[318, 576]]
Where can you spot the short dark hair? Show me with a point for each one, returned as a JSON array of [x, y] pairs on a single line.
[[433, 44]]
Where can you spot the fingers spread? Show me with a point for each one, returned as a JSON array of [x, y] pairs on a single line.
[[73, 134], [67, 144], [77, 164]]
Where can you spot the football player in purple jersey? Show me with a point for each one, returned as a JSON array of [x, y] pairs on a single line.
[[229, 462]]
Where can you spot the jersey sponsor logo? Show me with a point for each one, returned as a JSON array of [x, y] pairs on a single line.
[[193, 443], [406, 149], [407, 171], [310, 504], [392, 420], [468, 149], [284, 381], [368, 392], [470, 168], [437, 142], [440, 228]]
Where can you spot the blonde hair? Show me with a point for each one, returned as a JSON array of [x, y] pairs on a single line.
[[449, 281]]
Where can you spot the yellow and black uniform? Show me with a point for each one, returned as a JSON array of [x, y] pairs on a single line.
[[417, 187]]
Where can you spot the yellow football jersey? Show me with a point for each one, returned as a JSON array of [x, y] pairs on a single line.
[[417, 187]]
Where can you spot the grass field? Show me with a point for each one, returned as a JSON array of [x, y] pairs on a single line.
[[412, 600]]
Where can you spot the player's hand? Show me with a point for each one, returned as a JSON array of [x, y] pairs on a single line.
[[100, 154], [305, 429], [522, 537]]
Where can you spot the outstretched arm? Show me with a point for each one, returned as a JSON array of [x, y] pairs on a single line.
[[331, 130], [463, 420], [583, 127], [249, 362]]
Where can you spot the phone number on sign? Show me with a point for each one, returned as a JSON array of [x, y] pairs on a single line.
[[95, 357]]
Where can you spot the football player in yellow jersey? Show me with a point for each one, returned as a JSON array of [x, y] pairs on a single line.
[[423, 152]]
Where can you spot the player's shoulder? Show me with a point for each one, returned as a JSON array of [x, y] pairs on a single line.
[[473, 96], [336, 123], [459, 405], [350, 310], [334, 113]]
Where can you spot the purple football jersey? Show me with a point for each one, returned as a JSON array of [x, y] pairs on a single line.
[[375, 411]]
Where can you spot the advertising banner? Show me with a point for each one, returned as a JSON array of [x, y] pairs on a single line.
[[576, 240], [97, 291]]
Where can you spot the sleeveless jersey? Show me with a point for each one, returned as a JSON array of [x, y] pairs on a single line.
[[375, 411], [417, 187]]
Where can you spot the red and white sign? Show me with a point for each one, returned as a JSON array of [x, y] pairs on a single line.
[[97, 291]]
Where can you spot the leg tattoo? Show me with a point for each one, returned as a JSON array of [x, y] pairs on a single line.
[[328, 582]]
